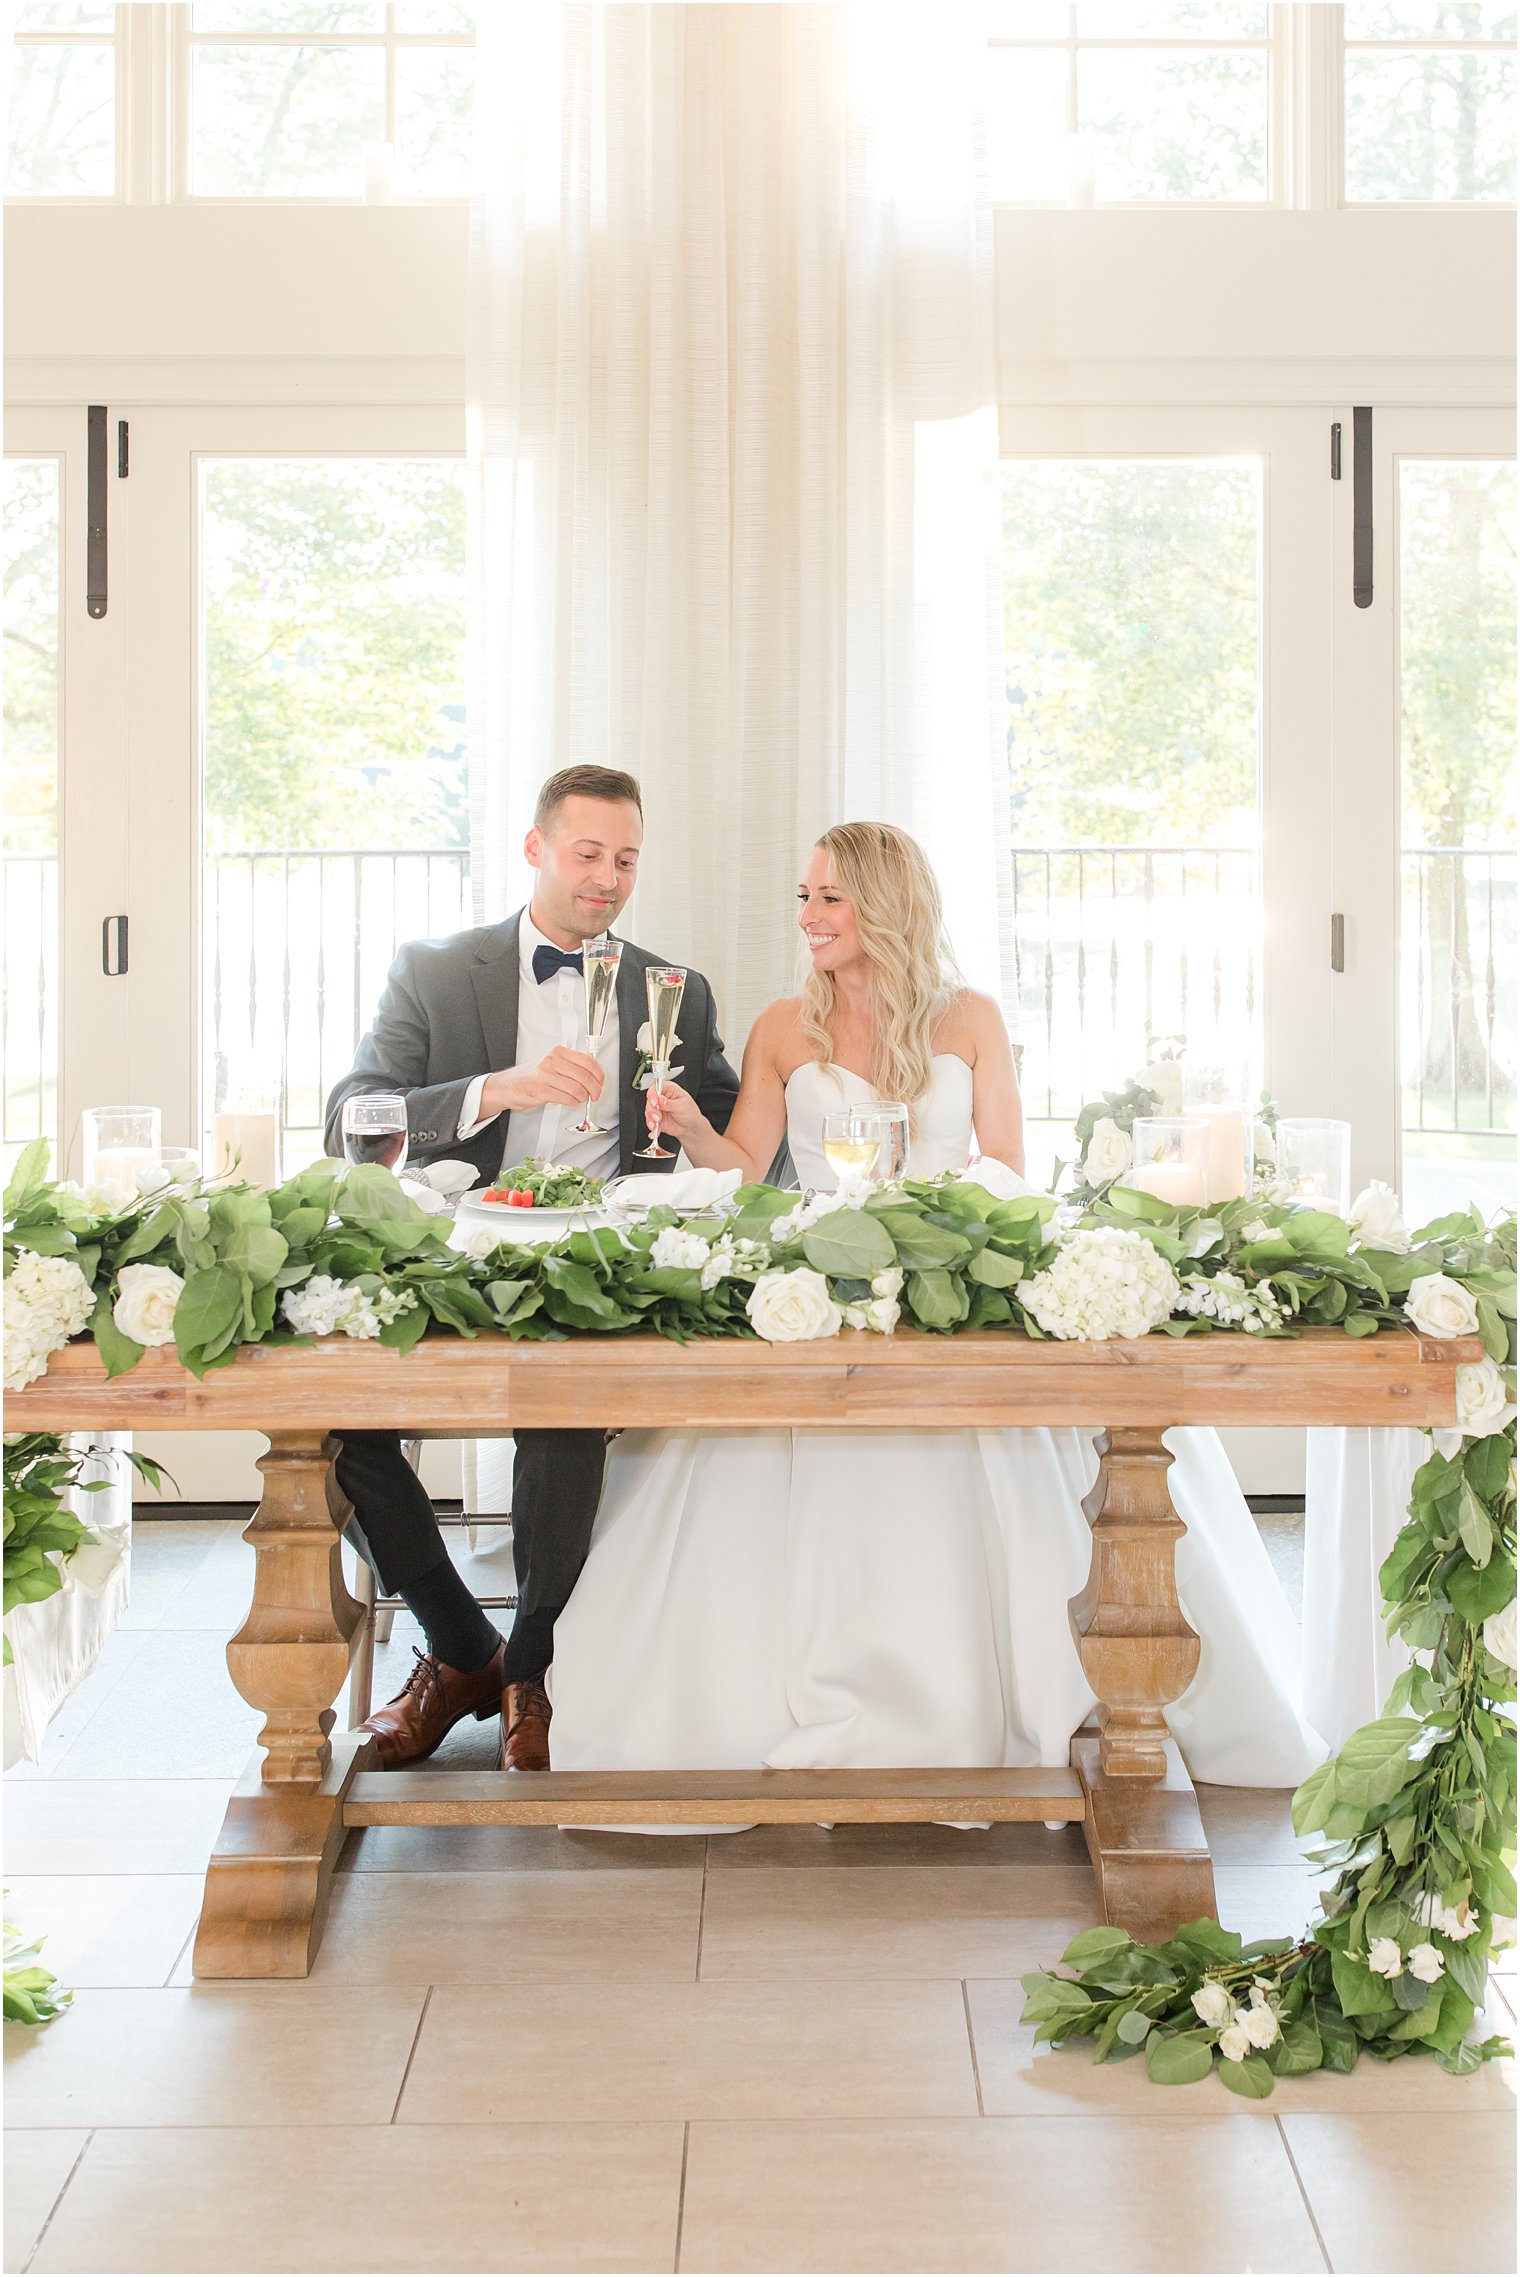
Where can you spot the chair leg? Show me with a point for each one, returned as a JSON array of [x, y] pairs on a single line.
[[385, 1621], [361, 1674]]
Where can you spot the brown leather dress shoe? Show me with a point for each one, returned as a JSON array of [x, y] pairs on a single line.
[[430, 1703], [525, 1713]]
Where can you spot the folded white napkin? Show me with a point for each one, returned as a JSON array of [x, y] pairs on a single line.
[[450, 1179], [678, 1189], [1003, 1184]]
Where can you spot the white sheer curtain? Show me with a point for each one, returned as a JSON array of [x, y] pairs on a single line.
[[733, 440]]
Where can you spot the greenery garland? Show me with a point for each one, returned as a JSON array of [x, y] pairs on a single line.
[[1415, 1810]]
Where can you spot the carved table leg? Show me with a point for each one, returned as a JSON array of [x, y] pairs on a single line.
[[268, 1880], [1143, 1830]]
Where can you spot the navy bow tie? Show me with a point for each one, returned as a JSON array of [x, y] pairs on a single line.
[[547, 961]]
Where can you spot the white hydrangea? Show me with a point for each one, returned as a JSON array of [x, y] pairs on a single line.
[[1104, 1282], [1229, 1300], [676, 1248], [324, 1306], [47, 1300]]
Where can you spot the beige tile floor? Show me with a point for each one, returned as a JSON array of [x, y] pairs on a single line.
[[523, 2050]]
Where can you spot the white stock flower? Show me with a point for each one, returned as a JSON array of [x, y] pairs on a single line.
[[793, 1308], [1109, 1151], [1483, 1403], [1213, 2004], [1384, 1958], [1499, 1634], [1426, 1964], [1231, 1301], [1440, 1306], [145, 1308], [1235, 2043], [47, 1300], [323, 1306], [1259, 2024], [719, 1263], [1377, 1219], [1104, 1282], [675, 1247], [847, 1195]]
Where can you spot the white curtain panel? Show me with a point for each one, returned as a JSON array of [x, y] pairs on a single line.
[[733, 441]]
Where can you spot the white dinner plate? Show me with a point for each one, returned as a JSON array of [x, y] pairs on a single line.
[[537, 1225]]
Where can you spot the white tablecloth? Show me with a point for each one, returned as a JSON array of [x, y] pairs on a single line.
[[56, 1643], [1355, 1502]]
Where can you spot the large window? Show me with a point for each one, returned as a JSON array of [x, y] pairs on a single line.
[[1132, 640], [1124, 102], [61, 132], [334, 804], [327, 99], [32, 531], [1430, 102]]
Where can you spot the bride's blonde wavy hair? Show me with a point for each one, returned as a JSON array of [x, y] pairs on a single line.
[[900, 919]]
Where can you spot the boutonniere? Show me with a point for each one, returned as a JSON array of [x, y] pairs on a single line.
[[643, 1066]]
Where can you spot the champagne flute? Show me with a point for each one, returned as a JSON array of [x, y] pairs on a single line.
[[599, 965], [374, 1129], [665, 985]]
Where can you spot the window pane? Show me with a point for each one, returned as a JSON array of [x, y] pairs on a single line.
[[32, 655], [1026, 123], [284, 122], [1028, 20], [434, 87], [1455, 20], [64, 16], [417, 17], [1204, 19], [1176, 126], [1457, 742], [288, 16], [1430, 127], [62, 130], [1132, 647], [335, 801]]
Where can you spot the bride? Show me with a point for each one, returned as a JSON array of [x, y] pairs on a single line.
[[829, 1598]]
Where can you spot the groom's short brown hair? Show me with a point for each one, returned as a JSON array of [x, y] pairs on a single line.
[[585, 783]]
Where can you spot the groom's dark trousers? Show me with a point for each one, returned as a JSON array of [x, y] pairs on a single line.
[[448, 1014]]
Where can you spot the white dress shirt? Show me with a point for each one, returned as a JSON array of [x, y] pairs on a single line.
[[551, 1012]]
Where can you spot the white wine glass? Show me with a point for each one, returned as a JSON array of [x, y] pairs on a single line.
[[665, 985], [867, 1141], [599, 967]]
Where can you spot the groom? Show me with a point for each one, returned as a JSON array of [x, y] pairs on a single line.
[[482, 1035]]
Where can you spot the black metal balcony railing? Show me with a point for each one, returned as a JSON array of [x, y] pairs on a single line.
[[1109, 941]]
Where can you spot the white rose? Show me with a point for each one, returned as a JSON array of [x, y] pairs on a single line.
[[882, 1315], [1426, 1964], [1234, 2043], [1499, 1634], [644, 1040], [1483, 1404], [476, 1241], [675, 1247], [145, 1308], [1459, 1922], [1259, 2025], [1440, 1306], [1264, 1142], [1384, 1958], [1377, 1220], [1109, 1151], [1164, 1079], [888, 1283], [1213, 2004], [793, 1308]]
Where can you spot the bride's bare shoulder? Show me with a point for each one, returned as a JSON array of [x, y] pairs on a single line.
[[776, 1038], [972, 1020]]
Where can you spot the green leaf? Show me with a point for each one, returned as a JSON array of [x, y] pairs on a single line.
[[1475, 1527], [1373, 1765], [30, 1173], [1477, 1591], [371, 1191], [992, 1270], [1485, 1465], [1176, 2059], [916, 1242], [1298, 2051], [851, 1242], [117, 1351], [210, 1307], [1134, 2027], [936, 1299], [1251, 2076], [1312, 1802], [1094, 1946], [1337, 2039]]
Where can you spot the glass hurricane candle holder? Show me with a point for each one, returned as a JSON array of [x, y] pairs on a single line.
[[118, 1142], [1171, 1159], [1314, 1162]]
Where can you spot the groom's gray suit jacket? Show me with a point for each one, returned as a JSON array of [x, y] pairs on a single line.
[[449, 1013]]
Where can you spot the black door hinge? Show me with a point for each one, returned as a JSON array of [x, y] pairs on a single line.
[[113, 946], [95, 511], [121, 450]]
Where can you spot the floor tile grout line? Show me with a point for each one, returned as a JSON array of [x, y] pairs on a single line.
[[681, 2192], [57, 2202], [410, 2053], [1303, 2192], [976, 2069]]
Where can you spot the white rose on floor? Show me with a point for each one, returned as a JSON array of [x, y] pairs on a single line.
[[1213, 2004], [1440, 1306], [793, 1308], [1483, 1404], [1234, 2043], [1260, 2026], [1377, 1220], [1426, 1964], [1384, 1958], [1499, 1634], [1109, 1151], [1164, 1078], [144, 1310], [675, 1247]]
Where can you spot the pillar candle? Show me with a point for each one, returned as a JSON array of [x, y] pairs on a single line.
[[1227, 1151], [1175, 1182]]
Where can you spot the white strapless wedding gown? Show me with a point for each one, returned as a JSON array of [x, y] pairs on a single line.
[[829, 1598]]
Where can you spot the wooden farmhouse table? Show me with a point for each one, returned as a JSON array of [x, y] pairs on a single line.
[[269, 1877]]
